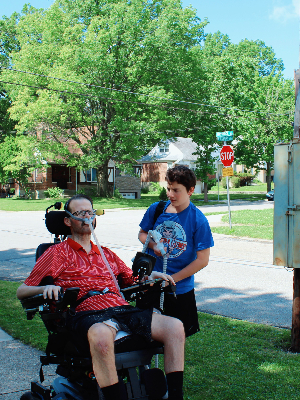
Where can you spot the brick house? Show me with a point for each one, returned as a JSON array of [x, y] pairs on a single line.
[[167, 154], [72, 180]]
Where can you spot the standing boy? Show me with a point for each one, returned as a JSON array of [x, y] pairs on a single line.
[[187, 239]]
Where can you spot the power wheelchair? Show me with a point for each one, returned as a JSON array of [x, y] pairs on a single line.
[[75, 379]]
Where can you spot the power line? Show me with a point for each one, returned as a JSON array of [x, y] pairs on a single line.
[[135, 102], [140, 94]]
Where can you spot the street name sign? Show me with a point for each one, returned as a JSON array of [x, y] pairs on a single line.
[[225, 136]]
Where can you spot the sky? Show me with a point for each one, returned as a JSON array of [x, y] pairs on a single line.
[[275, 22]]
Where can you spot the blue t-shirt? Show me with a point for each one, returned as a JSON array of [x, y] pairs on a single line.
[[183, 235]]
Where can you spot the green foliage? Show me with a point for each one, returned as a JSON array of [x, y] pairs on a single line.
[[245, 178], [155, 187], [163, 194], [115, 104], [211, 183], [117, 194], [145, 190], [235, 181], [224, 183], [54, 193]]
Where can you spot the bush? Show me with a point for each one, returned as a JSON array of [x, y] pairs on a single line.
[[117, 194], [163, 194], [235, 182], [223, 183], [145, 190], [245, 179], [155, 187], [211, 183], [54, 192]]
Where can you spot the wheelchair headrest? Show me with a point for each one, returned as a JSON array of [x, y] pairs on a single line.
[[54, 221]]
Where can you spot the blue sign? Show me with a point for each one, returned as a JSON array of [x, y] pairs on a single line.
[[225, 136]]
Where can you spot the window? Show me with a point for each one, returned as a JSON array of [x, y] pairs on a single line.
[[164, 147], [91, 175]]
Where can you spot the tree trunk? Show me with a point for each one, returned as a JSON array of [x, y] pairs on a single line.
[[102, 181], [205, 193], [268, 177]]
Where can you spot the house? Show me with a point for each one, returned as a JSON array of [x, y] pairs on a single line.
[[73, 181], [167, 154]]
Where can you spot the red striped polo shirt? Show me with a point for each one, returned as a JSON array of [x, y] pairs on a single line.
[[70, 266]]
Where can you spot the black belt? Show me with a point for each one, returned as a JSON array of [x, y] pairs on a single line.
[[93, 293]]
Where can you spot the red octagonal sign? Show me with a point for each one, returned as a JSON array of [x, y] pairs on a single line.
[[227, 156]]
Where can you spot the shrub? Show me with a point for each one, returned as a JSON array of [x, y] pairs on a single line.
[[223, 183], [211, 183], [117, 194], [155, 187], [163, 194], [145, 190], [54, 192], [245, 179], [235, 182]]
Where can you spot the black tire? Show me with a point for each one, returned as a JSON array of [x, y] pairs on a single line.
[[29, 396]]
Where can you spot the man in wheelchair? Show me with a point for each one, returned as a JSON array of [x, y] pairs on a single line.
[[77, 262]]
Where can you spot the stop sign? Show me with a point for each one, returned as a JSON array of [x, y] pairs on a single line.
[[226, 155]]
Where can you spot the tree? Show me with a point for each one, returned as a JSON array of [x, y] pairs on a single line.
[[270, 123], [117, 66], [248, 95]]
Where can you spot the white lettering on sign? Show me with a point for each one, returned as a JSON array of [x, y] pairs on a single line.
[[228, 155]]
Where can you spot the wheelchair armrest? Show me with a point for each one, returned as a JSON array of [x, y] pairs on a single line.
[[130, 291], [36, 303]]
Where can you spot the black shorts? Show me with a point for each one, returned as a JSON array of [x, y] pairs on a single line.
[[130, 319], [183, 307]]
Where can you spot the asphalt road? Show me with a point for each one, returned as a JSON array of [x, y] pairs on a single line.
[[240, 280]]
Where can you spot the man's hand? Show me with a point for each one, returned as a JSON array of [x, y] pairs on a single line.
[[51, 292]]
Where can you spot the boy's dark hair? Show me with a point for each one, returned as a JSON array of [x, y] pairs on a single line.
[[183, 175], [77, 197]]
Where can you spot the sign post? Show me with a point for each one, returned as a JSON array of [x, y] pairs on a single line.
[[227, 158]]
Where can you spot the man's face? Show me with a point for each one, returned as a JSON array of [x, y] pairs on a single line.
[[79, 227], [178, 195]]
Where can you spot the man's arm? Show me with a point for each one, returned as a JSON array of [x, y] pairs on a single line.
[[48, 291], [195, 266]]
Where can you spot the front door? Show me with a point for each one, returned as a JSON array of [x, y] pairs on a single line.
[[60, 174]]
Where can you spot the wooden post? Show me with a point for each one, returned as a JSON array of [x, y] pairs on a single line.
[[296, 312]]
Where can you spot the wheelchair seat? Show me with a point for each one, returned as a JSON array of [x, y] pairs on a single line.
[[76, 380]]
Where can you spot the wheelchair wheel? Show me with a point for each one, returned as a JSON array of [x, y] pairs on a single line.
[[29, 396]]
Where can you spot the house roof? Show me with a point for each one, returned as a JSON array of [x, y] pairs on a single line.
[[179, 149]]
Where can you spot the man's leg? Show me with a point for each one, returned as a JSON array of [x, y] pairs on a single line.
[[101, 340], [170, 332]]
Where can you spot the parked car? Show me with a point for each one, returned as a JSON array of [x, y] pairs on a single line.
[[270, 195]]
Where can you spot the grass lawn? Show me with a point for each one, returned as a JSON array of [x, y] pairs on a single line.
[[248, 223], [227, 359], [260, 187]]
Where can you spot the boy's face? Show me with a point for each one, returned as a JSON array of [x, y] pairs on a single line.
[[178, 195]]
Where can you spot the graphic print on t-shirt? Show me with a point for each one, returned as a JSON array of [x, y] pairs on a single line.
[[174, 238]]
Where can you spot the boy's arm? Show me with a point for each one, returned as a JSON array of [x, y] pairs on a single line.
[[48, 291], [195, 266]]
